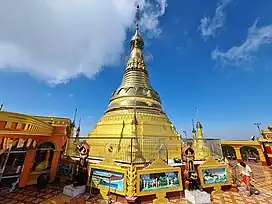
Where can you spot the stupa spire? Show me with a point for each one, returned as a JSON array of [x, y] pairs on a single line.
[[136, 40], [135, 85], [136, 59]]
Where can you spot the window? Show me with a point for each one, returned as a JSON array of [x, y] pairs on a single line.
[[44, 157]]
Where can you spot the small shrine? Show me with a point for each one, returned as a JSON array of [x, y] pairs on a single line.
[[199, 143]]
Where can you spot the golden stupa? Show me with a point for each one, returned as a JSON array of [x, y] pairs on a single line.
[[134, 128], [199, 144]]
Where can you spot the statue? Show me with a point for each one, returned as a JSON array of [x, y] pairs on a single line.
[[81, 167], [190, 174]]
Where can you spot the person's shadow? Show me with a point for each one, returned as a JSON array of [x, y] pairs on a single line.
[[42, 182]]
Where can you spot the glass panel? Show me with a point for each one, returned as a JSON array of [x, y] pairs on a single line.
[[14, 164]]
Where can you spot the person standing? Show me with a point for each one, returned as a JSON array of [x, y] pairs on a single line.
[[247, 174]]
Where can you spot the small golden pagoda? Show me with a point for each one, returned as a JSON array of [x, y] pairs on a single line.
[[199, 145], [134, 127]]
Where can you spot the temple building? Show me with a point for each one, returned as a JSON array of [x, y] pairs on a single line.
[[30, 146], [266, 143], [267, 134], [257, 150], [134, 127]]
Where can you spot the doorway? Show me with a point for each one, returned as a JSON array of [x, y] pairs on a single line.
[[44, 157]]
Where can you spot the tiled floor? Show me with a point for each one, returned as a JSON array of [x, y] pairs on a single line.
[[29, 195], [263, 181]]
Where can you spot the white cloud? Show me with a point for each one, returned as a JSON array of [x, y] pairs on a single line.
[[71, 95], [89, 117], [243, 53], [57, 40], [209, 26]]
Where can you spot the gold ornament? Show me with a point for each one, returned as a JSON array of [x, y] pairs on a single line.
[[160, 198], [131, 181]]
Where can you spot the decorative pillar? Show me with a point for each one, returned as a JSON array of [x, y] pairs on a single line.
[[238, 153], [268, 150], [261, 155], [131, 184], [28, 163], [54, 165]]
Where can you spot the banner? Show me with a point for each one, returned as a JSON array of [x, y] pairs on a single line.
[[6, 143]]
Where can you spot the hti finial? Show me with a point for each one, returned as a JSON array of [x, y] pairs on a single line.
[[137, 17], [136, 40]]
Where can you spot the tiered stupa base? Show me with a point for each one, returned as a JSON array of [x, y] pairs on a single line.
[[153, 135]]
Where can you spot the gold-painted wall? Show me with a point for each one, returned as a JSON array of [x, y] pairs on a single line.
[[150, 133]]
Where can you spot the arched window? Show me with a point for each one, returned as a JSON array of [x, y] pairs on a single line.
[[249, 154], [228, 152], [44, 157]]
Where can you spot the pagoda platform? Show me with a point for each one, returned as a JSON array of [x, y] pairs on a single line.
[[53, 194]]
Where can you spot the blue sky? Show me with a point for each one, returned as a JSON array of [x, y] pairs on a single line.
[[222, 65]]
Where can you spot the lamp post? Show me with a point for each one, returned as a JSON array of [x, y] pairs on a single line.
[[258, 127]]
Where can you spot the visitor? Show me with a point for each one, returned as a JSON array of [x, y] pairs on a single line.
[[247, 174]]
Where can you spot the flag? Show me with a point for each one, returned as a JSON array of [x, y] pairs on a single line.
[[29, 141], [21, 143], [11, 142], [34, 144], [5, 143]]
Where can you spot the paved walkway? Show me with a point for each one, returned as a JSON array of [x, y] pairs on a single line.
[[29, 195], [53, 194], [263, 182]]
